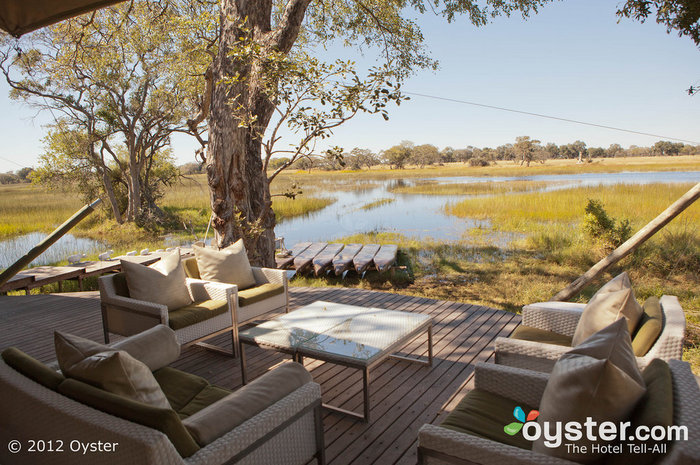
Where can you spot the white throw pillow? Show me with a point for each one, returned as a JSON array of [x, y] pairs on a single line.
[[163, 283], [613, 301], [597, 379], [229, 265]]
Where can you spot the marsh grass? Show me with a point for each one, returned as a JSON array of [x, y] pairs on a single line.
[[475, 188], [377, 203], [533, 211]]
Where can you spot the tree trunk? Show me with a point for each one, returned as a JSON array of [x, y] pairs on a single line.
[[630, 245], [109, 190], [240, 194]]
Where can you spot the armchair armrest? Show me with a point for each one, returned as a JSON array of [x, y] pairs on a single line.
[[137, 306], [269, 275], [528, 354], [205, 290], [448, 446], [558, 317], [514, 383]]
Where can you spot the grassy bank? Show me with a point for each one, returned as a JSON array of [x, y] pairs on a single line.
[[377, 204]]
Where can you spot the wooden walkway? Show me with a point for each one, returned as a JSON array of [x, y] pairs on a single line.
[[404, 396]]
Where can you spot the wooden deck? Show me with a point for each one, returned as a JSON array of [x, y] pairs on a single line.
[[404, 396]]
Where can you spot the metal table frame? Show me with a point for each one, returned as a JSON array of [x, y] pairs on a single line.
[[365, 366]]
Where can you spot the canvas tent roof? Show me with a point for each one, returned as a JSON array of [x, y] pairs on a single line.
[[21, 16]]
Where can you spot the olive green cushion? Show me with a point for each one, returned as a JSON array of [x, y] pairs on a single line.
[[484, 414], [161, 419], [204, 398], [528, 333], [191, 269], [32, 368], [259, 293], [655, 408], [179, 387], [649, 327], [196, 313]]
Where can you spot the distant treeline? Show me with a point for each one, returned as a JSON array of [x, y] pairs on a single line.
[[16, 177], [524, 150]]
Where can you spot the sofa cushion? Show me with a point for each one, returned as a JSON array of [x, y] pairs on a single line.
[[32, 368], [163, 283], [484, 414], [191, 268], [259, 293], [613, 301], [649, 328], [203, 399], [229, 265], [529, 333], [70, 349], [164, 420], [156, 347], [214, 421], [655, 408], [119, 373], [178, 386], [598, 379], [196, 313]]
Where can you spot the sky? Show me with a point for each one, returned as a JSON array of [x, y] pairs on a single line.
[[572, 60]]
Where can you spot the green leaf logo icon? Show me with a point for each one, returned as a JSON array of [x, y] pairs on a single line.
[[513, 428]]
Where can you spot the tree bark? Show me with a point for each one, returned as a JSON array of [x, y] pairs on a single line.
[[240, 192], [630, 245]]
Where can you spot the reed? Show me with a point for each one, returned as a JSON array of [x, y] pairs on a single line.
[[475, 188], [377, 203]]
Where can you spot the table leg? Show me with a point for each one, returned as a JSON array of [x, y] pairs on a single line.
[[430, 344], [365, 389], [244, 381]]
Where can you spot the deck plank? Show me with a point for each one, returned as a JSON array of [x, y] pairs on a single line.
[[403, 395]]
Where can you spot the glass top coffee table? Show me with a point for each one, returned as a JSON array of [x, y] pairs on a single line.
[[356, 337]]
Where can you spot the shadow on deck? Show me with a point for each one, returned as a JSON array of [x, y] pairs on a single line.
[[404, 396]]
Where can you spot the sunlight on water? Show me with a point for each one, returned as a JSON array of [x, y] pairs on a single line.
[[12, 250]]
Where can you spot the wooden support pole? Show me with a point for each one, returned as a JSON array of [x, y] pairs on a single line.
[[630, 245]]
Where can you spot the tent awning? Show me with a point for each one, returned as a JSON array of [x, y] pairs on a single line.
[[18, 17]]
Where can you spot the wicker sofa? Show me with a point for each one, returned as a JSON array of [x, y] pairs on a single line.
[[439, 445], [560, 319], [39, 404]]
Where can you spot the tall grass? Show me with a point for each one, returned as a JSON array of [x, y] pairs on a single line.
[[531, 211], [476, 188], [377, 203]]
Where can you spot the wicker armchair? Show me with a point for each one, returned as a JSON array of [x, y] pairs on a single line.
[[126, 316], [438, 445], [286, 430], [264, 278], [562, 318]]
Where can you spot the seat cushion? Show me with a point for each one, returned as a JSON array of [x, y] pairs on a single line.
[[259, 293], [613, 301], [164, 420], [229, 265], [649, 328], [529, 333], [484, 414], [179, 387], [32, 368], [196, 313], [187, 393], [655, 408], [163, 283]]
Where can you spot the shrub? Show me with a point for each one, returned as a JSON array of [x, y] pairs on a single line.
[[600, 226], [480, 161]]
